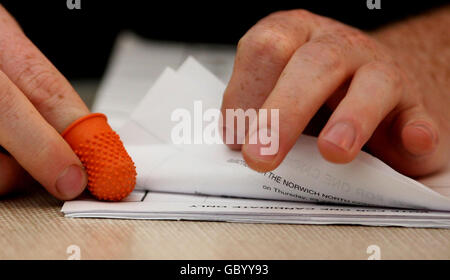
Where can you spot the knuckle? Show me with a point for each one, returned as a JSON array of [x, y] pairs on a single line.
[[388, 73], [271, 38], [297, 13], [351, 37], [301, 13], [42, 83], [45, 84], [7, 100], [265, 43], [326, 54]]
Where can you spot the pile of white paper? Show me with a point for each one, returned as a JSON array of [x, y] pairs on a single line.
[[211, 182]]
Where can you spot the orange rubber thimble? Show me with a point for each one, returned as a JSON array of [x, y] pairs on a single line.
[[111, 171]]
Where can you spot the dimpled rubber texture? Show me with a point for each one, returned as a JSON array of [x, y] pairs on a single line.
[[111, 171]]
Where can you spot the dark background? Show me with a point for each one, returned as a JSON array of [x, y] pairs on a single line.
[[79, 42]]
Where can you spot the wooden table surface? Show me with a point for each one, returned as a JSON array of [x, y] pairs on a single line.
[[32, 227]]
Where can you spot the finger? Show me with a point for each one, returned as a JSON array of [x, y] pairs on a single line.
[[425, 144], [36, 145], [419, 136], [419, 145], [261, 56], [10, 174], [36, 77], [315, 71], [374, 92]]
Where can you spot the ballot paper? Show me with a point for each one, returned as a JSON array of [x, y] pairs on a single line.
[[208, 181], [136, 63]]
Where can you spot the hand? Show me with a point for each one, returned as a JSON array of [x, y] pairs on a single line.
[[36, 104], [296, 61]]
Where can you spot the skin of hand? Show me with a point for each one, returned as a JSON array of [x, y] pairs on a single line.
[[388, 90], [36, 104]]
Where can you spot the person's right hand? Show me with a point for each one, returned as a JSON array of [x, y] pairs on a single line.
[[36, 104], [388, 91]]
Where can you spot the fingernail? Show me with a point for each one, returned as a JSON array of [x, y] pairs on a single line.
[[426, 131], [341, 134], [421, 140], [258, 151], [71, 181]]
